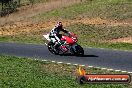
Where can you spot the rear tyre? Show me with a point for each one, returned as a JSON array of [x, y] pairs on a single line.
[[52, 49]]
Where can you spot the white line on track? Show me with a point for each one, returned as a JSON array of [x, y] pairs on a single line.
[[44, 60], [103, 68], [68, 63], [97, 67], [53, 61], [90, 66], [110, 69], [82, 65], [59, 62], [124, 71], [75, 64], [117, 70], [129, 72]]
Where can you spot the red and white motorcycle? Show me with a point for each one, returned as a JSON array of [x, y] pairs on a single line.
[[68, 45]]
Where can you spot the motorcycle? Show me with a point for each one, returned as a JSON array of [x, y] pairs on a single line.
[[68, 45]]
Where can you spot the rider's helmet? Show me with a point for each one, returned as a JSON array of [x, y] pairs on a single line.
[[59, 24]]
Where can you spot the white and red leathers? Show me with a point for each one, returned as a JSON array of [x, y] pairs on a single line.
[[54, 33]]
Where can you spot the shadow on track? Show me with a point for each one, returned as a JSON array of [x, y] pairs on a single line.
[[78, 56], [88, 56]]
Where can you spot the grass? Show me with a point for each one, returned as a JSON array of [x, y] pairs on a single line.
[[32, 37], [34, 1], [100, 32], [27, 2], [124, 46], [26, 73], [20, 39], [106, 9], [89, 35], [99, 36]]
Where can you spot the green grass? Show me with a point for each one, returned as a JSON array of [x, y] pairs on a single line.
[[88, 36], [27, 73], [99, 35], [32, 37], [110, 9], [121, 46], [100, 32], [94, 35], [21, 39]]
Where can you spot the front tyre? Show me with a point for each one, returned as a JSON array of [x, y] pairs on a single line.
[[78, 50]]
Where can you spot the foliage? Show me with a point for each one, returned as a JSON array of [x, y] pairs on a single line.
[[27, 73], [110, 9]]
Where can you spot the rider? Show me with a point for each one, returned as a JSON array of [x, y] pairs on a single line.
[[54, 34]]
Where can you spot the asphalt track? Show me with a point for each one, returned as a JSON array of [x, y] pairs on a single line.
[[106, 58]]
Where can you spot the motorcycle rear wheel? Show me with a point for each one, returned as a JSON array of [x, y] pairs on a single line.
[[52, 49]]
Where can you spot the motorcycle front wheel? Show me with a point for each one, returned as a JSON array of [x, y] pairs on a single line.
[[78, 50]]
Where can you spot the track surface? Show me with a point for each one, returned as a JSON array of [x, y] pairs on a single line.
[[119, 60]]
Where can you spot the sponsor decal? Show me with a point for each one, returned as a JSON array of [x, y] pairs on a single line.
[[102, 78]]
